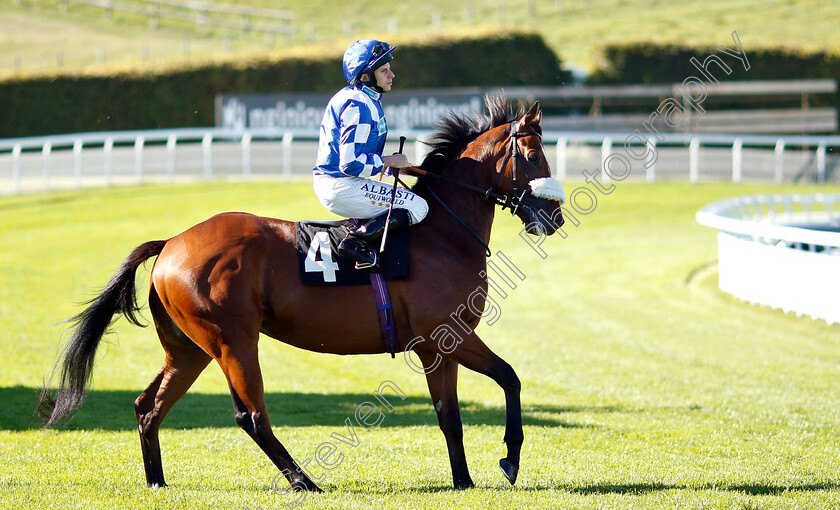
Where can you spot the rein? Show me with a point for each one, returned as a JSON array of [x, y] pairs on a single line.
[[511, 201]]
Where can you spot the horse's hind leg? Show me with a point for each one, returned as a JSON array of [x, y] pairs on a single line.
[[443, 386], [240, 363], [184, 362]]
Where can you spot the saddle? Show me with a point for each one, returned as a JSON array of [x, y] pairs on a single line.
[[320, 264]]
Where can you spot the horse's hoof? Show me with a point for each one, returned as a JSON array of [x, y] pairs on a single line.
[[509, 470], [465, 484], [300, 485], [308, 486]]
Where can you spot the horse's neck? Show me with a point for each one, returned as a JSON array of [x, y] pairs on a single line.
[[470, 206]]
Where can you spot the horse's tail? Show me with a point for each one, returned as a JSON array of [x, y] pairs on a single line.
[[119, 296]]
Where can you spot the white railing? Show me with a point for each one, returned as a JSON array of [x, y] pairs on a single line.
[[91, 159], [204, 14], [780, 250], [77, 160]]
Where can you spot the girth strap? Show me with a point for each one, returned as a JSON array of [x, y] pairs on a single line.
[[385, 311]]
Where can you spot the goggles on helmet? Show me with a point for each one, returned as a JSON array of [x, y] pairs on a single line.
[[379, 49]]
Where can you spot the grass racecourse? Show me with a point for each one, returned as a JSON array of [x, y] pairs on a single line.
[[643, 386]]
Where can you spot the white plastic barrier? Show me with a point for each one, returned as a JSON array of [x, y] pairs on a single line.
[[780, 250]]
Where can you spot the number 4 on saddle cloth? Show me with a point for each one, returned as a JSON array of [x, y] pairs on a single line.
[[320, 264]]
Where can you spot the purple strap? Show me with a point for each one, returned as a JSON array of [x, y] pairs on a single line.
[[386, 313], [383, 309]]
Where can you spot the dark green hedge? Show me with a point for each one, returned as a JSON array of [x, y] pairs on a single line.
[[185, 98], [656, 63], [653, 63]]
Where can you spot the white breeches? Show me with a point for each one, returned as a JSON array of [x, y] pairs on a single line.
[[355, 197]]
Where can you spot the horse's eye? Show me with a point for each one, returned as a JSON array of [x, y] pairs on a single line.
[[533, 157]]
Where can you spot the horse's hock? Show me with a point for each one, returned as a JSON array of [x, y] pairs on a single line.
[[780, 250]]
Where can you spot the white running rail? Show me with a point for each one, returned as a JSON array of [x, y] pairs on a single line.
[[780, 250], [49, 163]]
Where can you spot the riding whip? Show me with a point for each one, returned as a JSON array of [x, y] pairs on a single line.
[[396, 172]]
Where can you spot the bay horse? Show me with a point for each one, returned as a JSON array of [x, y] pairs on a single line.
[[218, 285]]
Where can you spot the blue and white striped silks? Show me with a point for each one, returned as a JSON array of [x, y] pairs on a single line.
[[353, 134]]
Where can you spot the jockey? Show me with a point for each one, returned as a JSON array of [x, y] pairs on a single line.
[[352, 139]]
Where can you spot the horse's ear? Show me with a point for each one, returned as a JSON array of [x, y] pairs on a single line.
[[532, 117], [538, 114]]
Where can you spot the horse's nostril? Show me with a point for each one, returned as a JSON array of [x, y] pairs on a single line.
[[536, 228]]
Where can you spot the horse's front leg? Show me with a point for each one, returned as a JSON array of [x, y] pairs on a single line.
[[475, 355], [443, 386]]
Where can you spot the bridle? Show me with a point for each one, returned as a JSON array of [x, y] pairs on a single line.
[[514, 200]]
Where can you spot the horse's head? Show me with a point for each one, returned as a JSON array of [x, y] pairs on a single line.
[[524, 177], [501, 157]]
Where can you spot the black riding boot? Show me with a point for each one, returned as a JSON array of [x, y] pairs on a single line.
[[362, 244]]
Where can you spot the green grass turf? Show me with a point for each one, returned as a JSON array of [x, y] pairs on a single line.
[[643, 386], [577, 30]]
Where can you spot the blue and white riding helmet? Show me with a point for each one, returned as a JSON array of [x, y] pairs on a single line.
[[365, 56]]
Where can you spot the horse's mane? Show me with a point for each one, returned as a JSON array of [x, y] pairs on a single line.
[[453, 133]]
